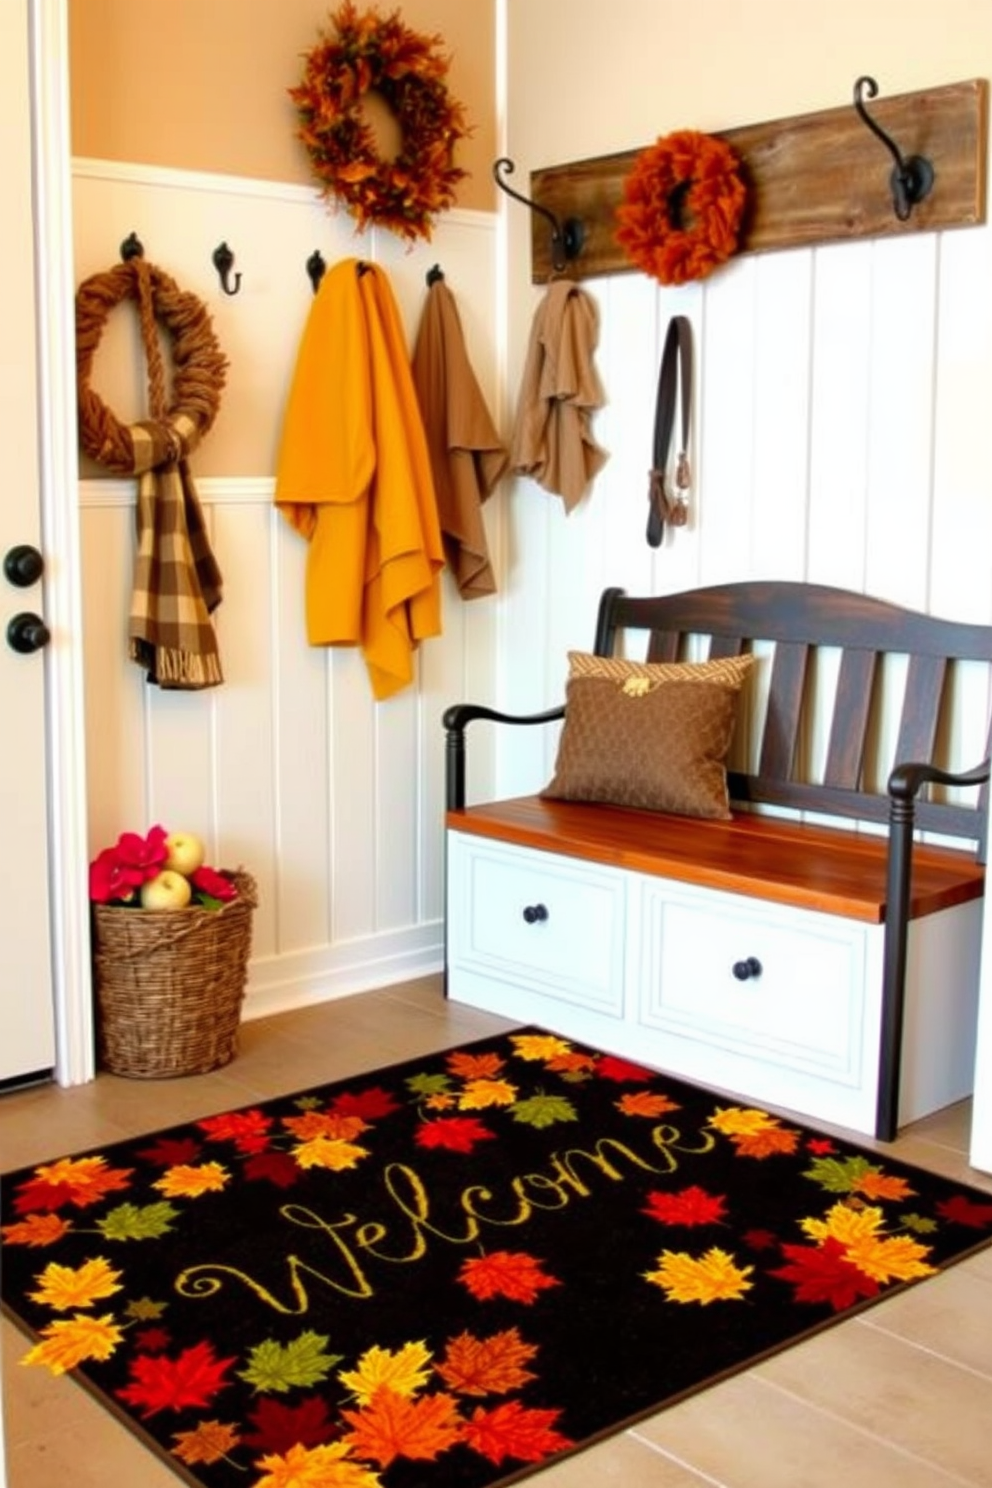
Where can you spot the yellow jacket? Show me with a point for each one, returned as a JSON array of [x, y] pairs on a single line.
[[354, 478]]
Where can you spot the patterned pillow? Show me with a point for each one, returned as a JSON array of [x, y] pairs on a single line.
[[731, 670], [659, 746]]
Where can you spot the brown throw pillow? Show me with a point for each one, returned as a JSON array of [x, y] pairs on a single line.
[[656, 746], [731, 670]]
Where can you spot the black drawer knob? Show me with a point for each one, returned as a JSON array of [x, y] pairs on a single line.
[[745, 970], [535, 913]]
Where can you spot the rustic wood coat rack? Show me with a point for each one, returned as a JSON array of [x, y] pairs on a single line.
[[812, 178]]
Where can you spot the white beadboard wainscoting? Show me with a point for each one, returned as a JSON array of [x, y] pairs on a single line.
[[840, 436], [333, 802]]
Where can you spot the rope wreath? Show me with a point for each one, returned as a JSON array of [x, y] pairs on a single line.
[[371, 53], [682, 205], [199, 365]]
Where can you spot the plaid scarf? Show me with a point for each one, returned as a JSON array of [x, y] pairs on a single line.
[[177, 583]]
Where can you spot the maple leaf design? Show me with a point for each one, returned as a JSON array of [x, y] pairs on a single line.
[[539, 1047], [70, 1341], [878, 1185], [823, 1273], [187, 1182], [506, 1273], [712, 1277], [919, 1224], [882, 1257], [487, 1366], [38, 1230], [248, 1130], [276, 1427], [820, 1146], [170, 1152], [275, 1367], [316, 1467], [572, 1063], [80, 1181], [329, 1152], [209, 1442], [741, 1121], [403, 1371], [692, 1206], [456, 1133], [645, 1103], [479, 1094], [152, 1340], [331, 1124], [138, 1222], [964, 1211], [624, 1071], [144, 1310], [392, 1426], [767, 1143], [191, 1380], [65, 1287], [841, 1175], [371, 1104], [467, 1066], [428, 1086], [443, 1101], [511, 1430], [273, 1167], [542, 1110]]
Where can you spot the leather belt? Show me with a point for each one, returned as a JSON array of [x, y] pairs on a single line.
[[675, 376]]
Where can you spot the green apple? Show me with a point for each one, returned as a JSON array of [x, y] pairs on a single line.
[[167, 890], [185, 853]]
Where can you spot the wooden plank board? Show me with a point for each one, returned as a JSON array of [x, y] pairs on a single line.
[[767, 858], [812, 178]]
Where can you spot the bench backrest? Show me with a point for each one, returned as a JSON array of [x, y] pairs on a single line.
[[801, 620]]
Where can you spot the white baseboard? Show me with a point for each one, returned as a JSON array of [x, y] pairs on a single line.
[[280, 984]]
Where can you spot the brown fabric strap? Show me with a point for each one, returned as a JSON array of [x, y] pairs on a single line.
[[674, 379]]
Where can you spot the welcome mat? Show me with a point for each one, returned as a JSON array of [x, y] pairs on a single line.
[[448, 1272]]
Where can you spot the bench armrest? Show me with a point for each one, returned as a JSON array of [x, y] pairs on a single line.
[[907, 780], [905, 783], [455, 720]]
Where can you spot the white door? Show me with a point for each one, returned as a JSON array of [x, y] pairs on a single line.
[[27, 1024]]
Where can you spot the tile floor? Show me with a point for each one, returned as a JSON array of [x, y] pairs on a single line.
[[900, 1396]]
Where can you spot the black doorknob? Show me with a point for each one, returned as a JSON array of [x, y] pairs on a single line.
[[23, 565], [744, 970], [534, 914], [27, 632]]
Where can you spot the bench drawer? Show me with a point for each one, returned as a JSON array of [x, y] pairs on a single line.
[[537, 920], [797, 998]]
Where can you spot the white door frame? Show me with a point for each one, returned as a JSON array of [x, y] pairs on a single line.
[[68, 855]]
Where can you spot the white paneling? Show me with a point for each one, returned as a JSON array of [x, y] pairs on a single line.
[[842, 288], [780, 449], [303, 812], [900, 429], [333, 801]]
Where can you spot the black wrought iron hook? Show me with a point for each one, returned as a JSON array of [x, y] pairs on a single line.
[[567, 238], [913, 176], [223, 260], [316, 268], [132, 247]]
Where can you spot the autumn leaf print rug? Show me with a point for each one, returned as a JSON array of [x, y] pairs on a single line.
[[447, 1272]]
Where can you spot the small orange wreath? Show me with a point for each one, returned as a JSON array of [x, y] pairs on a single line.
[[682, 206], [373, 53]]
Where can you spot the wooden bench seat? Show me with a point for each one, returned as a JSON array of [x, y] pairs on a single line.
[[771, 858], [788, 843]]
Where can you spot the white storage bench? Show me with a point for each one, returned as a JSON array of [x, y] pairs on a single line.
[[786, 961]]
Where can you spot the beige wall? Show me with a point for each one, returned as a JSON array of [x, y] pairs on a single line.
[[201, 84], [619, 76]]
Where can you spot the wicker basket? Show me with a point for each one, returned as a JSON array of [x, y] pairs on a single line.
[[169, 985]]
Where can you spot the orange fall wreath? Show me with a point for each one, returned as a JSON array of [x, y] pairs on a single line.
[[373, 53], [682, 204]]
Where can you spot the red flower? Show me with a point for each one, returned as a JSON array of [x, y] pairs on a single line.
[[111, 879], [147, 853], [214, 884]]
